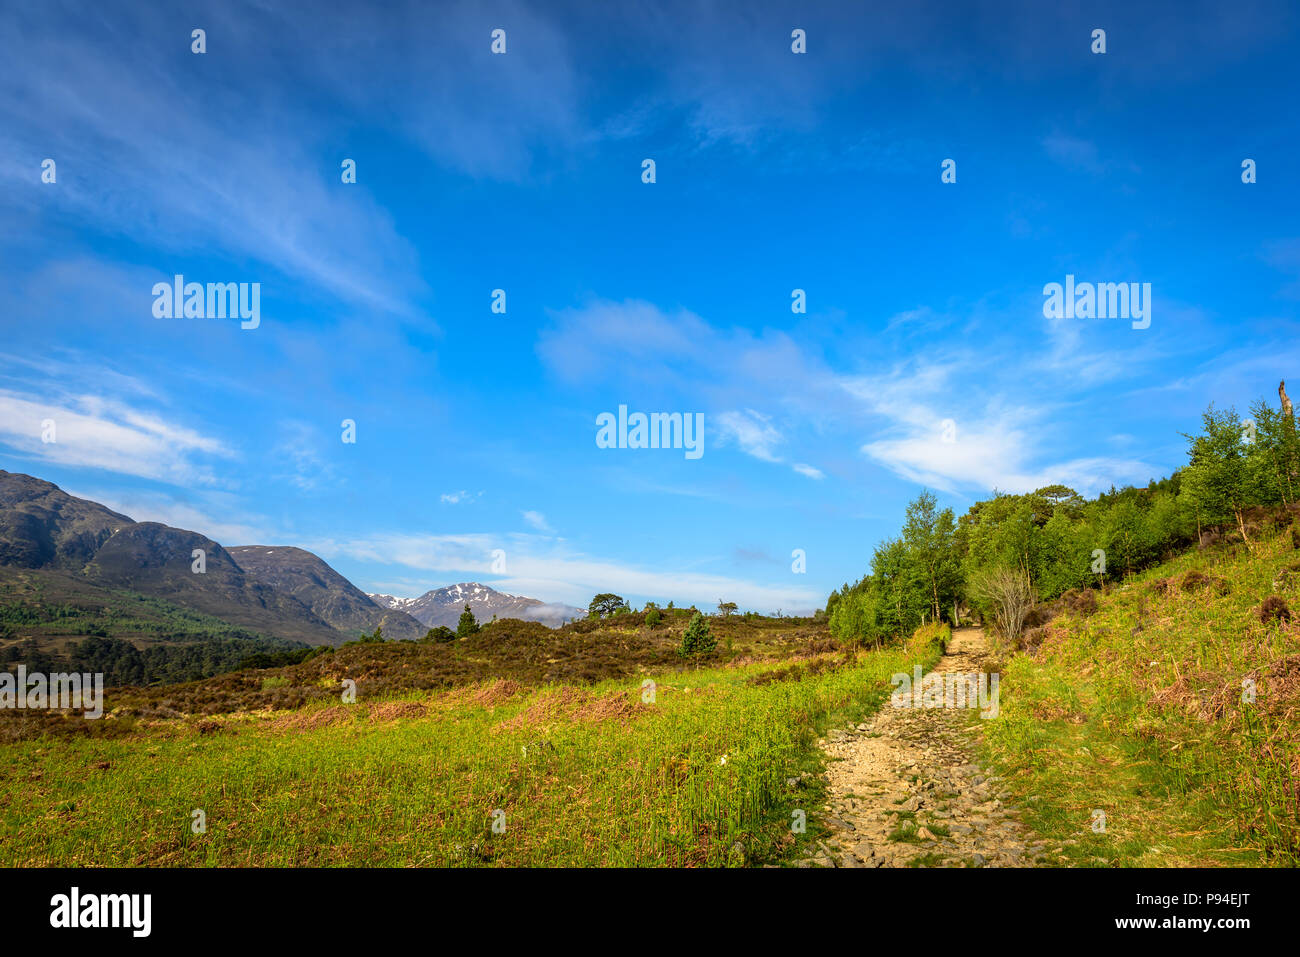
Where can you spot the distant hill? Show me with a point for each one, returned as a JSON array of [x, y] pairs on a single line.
[[443, 606], [288, 594], [155, 560], [329, 596], [91, 560]]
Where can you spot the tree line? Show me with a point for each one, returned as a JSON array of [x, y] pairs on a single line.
[[1009, 551]]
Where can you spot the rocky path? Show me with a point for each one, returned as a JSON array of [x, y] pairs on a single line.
[[905, 788]]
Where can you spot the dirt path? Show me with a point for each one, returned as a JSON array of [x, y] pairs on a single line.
[[905, 789]]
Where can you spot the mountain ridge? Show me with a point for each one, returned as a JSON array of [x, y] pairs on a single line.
[[443, 606], [298, 596]]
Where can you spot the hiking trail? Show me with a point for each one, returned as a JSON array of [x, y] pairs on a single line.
[[905, 788]]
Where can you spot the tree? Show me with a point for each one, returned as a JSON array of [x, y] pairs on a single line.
[[726, 607], [441, 633], [854, 618], [1277, 450], [902, 599], [467, 624], [605, 604], [377, 636], [929, 536], [1220, 481], [697, 639]]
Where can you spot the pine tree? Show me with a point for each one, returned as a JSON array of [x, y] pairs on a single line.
[[467, 624], [698, 640]]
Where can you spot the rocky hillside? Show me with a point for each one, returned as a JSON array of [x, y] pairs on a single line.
[[331, 597], [279, 592]]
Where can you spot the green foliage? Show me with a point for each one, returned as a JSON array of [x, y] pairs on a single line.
[[1230, 468], [606, 604], [467, 625], [929, 536], [697, 639], [855, 617], [441, 633], [1056, 540], [122, 663]]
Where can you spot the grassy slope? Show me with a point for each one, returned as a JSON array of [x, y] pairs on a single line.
[[586, 775], [1137, 711]]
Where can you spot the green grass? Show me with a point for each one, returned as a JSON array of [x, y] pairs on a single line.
[[603, 780], [1136, 711]]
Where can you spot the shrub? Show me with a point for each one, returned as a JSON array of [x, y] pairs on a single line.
[[1273, 608], [698, 639], [1081, 601], [467, 624], [1011, 596], [652, 617]]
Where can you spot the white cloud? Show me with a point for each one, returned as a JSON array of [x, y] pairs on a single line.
[[541, 567], [95, 432], [808, 470], [457, 498], [752, 431], [993, 445], [538, 521]]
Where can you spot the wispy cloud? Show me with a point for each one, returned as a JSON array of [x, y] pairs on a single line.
[[91, 431], [538, 521], [752, 431], [458, 498], [544, 567], [936, 433]]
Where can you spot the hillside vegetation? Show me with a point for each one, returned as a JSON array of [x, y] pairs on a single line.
[[1172, 709], [677, 762], [1010, 551]]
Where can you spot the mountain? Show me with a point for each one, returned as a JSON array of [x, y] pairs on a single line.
[[156, 560], [443, 606], [330, 596], [43, 526], [277, 590], [281, 592]]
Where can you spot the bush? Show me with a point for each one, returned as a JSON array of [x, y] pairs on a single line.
[[933, 634], [652, 617], [441, 633], [1273, 608], [1008, 592], [467, 624], [697, 639]]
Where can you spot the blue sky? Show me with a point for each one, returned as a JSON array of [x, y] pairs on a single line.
[[775, 171]]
